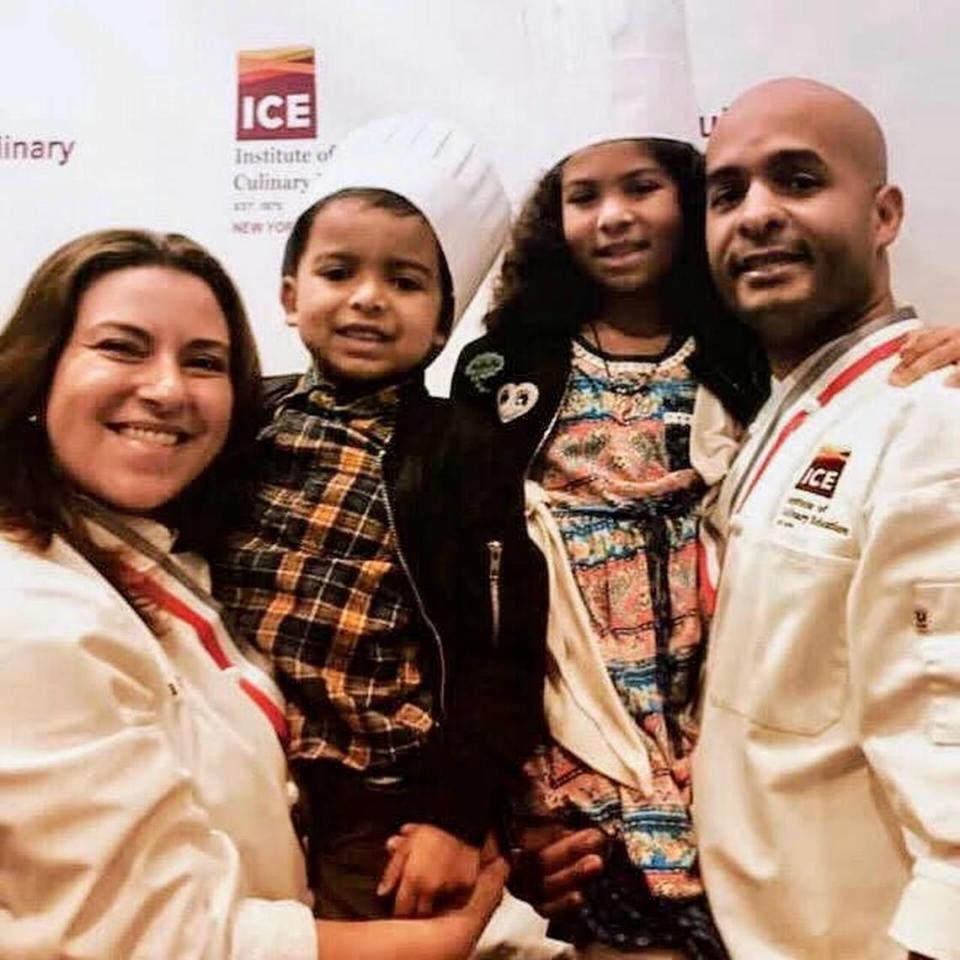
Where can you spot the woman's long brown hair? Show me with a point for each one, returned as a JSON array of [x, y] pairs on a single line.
[[37, 501]]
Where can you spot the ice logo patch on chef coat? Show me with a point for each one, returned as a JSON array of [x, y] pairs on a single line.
[[823, 474]]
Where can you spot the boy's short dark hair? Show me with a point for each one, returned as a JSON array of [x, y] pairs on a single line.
[[382, 200]]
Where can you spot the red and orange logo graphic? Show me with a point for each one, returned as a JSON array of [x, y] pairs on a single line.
[[823, 474], [276, 94]]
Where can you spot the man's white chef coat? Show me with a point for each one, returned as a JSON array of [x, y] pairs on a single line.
[[827, 778]]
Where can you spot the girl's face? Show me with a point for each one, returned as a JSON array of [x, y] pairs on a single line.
[[621, 215], [141, 398]]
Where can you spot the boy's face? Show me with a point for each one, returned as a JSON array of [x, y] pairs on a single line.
[[366, 296]]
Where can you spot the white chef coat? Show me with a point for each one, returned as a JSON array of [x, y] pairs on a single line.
[[144, 803], [827, 777]]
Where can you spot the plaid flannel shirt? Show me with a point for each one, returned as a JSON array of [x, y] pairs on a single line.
[[313, 577]]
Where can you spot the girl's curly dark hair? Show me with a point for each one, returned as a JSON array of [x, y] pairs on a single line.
[[542, 292]]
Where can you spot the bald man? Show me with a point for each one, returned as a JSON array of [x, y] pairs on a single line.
[[827, 779]]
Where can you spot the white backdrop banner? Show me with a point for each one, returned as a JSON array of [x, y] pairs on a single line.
[[216, 120]]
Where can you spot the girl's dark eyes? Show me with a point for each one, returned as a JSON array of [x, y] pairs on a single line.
[[639, 188], [633, 188]]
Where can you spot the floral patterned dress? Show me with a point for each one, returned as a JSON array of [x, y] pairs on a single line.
[[625, 498]]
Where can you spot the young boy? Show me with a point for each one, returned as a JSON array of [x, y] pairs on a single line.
[[382, 544]]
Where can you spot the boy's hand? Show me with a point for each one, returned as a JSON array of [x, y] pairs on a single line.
[[926, 350], [427, 865]]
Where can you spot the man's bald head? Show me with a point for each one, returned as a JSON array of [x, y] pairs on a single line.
[[836, 113], [799, 214]]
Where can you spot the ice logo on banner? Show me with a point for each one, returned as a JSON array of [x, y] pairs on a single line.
[[276, 94]]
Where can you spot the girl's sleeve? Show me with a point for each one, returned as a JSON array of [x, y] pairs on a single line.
[[105, 850]]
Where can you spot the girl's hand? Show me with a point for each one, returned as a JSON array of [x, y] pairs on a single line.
[[926, 350], [428, 866]]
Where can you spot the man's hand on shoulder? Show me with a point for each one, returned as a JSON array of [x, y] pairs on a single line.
[[926, 350]]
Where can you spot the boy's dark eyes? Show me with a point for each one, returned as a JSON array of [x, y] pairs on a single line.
[[337, 272], [407, 283]]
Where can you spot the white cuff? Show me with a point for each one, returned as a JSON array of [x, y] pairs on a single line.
[[274, 930], [928, 918]]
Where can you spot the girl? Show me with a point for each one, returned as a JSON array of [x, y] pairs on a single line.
[[603, 331]]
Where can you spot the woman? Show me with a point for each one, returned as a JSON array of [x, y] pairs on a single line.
[[143, 791]]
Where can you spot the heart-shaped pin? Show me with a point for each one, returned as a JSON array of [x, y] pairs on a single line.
[[516, 399]]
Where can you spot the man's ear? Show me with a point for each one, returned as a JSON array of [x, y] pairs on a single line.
[[288, 299], [887, 214]]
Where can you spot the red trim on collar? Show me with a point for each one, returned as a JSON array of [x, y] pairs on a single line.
[[207, 636], [836, 386]]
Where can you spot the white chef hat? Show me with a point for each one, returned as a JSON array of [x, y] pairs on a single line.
[[611, 70], [443, 172]]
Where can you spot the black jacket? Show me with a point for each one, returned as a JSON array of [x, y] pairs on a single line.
[[500, 360], [481, 586], [527, 356]]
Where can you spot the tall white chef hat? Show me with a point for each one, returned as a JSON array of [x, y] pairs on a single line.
[[444, 173], [611, 70]]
